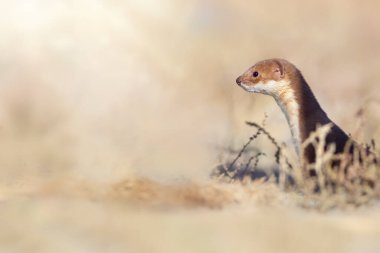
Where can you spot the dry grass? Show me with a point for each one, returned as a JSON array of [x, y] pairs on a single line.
[[341, 180]]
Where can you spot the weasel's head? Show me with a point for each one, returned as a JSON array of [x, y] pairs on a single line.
[[268, 77]]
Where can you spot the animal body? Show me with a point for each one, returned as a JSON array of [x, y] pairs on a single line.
[[284, 82]]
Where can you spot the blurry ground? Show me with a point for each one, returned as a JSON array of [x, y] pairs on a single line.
[[96, 92]]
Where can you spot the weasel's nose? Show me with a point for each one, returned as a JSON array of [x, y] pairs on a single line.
[[238, 80]]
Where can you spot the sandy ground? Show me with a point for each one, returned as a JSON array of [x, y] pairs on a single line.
[[203, 218]]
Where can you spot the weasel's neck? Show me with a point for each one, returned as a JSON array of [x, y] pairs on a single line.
[[311, 113], [302, 111], [289, 106]]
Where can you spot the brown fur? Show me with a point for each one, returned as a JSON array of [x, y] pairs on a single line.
[[311, 115], [267, 69]]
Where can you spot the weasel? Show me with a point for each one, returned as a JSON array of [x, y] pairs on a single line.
[[284, 82]]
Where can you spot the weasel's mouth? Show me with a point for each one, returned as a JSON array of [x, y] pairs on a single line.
[[253, 89], [246, 87]]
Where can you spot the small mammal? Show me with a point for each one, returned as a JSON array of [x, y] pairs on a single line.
[[284, 82]]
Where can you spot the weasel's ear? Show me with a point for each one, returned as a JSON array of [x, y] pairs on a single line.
[[279, 71]]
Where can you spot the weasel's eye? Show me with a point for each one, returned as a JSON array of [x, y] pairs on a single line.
[[255, 74]]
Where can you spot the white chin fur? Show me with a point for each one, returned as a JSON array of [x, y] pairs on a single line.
[[272, 87], [249, 88]]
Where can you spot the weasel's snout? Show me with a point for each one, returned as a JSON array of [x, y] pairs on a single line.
[[238, 80]]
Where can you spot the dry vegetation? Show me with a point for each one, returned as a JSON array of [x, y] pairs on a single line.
[[340, 179], [113, 115]]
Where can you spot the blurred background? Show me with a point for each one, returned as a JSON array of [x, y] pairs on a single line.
[[101, 90]]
